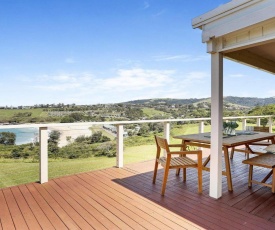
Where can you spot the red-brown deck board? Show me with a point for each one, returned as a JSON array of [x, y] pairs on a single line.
[[125, 198]]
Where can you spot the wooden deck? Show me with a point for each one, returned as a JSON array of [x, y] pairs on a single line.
[[126, 199]]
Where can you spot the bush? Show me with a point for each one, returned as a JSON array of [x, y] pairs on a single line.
[[106, 149], [7, 138]]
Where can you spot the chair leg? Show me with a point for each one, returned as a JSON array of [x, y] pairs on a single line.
[[178, 172], [250, 176], [165, 177], [184, 174], [232, 152], [273, 181], [155, 172], [200, 172], [199, 179]]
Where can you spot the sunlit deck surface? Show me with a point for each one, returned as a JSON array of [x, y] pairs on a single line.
[[126, 199]]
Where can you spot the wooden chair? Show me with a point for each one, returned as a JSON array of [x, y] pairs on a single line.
[[176, 160], [266, 161], [256, 147]]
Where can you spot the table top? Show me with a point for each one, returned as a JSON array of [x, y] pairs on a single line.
[[240, 138]]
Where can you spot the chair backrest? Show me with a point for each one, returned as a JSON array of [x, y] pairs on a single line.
[[162, 143], [261, 129]]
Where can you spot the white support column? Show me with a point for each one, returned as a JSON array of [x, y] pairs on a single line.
[[167, 131], [244, 123], [201, 127], [270, 124], [119, 146], [43, 163], [216, 125], [258, 122]]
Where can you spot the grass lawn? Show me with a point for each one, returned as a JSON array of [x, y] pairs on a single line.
[[15, 172]]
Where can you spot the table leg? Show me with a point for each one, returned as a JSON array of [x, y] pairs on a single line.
[[227, 169]]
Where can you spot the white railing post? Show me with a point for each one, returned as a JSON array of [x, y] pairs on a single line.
[[258, 122], [119, 147], [43, 164], [270, 124], [201, 130], [244, 124], [201, 127], [167, 131]]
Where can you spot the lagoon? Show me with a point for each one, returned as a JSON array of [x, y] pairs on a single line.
[[23, 135]]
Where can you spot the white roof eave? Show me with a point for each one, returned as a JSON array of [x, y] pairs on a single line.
[[221, 11]]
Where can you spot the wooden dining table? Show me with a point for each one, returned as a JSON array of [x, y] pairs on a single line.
[[241, 138]]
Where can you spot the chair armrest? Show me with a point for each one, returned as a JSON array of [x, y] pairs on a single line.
[[198, 152], [176, 145]]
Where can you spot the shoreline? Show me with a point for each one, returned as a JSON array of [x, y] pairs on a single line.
[[71, 132]]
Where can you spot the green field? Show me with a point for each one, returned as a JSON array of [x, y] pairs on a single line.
[[8, 113], [150, 112]]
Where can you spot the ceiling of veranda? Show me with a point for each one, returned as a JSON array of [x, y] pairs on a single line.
[[260, 56]]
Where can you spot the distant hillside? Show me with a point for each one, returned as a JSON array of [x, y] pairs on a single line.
[[168, 101], [250, 101], [242, 101]]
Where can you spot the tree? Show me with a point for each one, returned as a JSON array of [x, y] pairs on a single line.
[[53, 142], [144, 130], [67, 119], [76, 116], [7, 138]]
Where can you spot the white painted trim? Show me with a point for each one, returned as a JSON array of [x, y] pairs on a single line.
[[258, 121], [221, 11], [43, 163], [270, 124], [119, 153], [167, 131], [244, 123], [216, 125], [201, 127]]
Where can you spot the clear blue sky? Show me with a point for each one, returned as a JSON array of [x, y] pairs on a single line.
[[108, 51]]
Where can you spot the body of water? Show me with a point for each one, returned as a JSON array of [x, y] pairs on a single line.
[[23, 136]]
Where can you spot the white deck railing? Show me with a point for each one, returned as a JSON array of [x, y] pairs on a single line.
[[43, 134]]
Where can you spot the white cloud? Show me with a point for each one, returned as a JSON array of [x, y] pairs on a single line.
[[159, 13], [146, 5], [182, 58], [236, 75], [134, 79], [124, 85]]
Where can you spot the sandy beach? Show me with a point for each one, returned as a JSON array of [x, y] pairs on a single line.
[[72, 132]]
